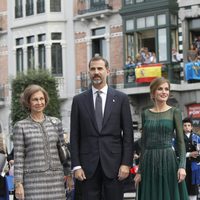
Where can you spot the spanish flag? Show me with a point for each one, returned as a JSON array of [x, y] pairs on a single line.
[[146, 73]]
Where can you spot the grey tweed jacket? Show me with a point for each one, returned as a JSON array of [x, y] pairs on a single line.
[[35, 147]]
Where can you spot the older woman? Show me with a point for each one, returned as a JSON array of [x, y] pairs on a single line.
[[38, 172]]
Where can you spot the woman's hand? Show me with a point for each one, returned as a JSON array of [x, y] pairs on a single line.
[[69, 182], [181, 174], [19, 191], [137, 179]]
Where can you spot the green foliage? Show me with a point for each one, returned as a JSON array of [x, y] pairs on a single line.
[[42, 78]]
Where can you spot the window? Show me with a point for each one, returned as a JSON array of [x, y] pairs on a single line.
[[19, 60], [30, 39], [128, 2], [55, 5], [97, 2], [19, 41], [40, 6], [56, 59], [161, 19], [98, 31], [162, 44], [29, 7], [56, 36], [41, 37], [30, 57], [146, 22], [129, 24], [41, 56], [130, 45], [18, 9]]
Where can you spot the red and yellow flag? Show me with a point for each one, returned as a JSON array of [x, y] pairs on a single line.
[[146, 73]]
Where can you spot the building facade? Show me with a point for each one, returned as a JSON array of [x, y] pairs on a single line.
[[38, 35]]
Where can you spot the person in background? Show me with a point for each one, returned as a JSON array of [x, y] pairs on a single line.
[[38, 172], [197, 44], [192, 155], [175, 56], [160, 175], [101, 137], [3, 193], [192, 53]]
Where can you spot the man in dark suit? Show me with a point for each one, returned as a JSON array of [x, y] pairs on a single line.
[[101, 151]]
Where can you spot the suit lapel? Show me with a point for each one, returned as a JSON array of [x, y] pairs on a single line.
[[109, 104]]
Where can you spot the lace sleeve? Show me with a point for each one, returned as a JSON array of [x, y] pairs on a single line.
[[179, 138]]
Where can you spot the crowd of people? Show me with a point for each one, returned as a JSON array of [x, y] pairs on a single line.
[[102, 148]]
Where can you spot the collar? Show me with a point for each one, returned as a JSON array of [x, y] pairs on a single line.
[[103, 90]]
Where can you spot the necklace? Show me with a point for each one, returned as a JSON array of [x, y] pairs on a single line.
[[39, 119]]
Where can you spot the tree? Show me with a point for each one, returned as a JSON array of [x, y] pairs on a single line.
[[42, 78]]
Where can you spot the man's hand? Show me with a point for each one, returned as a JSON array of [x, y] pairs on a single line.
[[79, 174], [124, 171]]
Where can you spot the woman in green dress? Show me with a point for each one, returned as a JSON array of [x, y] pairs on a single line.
[[161, 174]]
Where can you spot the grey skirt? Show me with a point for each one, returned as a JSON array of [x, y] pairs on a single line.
[[47, 185]]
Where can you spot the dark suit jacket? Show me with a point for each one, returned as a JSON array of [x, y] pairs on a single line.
[[113, 145]]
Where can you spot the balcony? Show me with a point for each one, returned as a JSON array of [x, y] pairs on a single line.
[[125, 79], [89, 10]]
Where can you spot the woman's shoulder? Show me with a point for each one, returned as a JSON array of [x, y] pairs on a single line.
[[54, 120]]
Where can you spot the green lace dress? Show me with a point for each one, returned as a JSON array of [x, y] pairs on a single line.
[[158, 161]]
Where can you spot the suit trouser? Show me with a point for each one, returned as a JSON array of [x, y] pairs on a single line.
[[100, 187]]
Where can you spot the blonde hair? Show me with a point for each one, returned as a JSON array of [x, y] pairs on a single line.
[[29, 91]]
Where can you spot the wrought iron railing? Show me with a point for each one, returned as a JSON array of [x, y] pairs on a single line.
[[95, 8]]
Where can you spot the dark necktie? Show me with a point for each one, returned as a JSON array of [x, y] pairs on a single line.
[[98, 110]]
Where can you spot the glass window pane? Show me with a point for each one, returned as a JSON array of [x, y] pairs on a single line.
[[41, 56], [56, 59], [56, 36], [161, 19], [162, 44], [19, 41], [174, 20], [40, 6], [141, 22], [18, 8], [128, 2], [30, 39], [129, 24], [41, 37], [139, 1], [150, 21], [30, 57], [130, 45], [55, 5], [98, 31], [19, 60], [29, 7]]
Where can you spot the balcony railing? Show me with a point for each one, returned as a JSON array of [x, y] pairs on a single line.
[[125, 78], [95, 8]]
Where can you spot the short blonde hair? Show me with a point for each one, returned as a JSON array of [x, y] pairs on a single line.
[[29, 91]]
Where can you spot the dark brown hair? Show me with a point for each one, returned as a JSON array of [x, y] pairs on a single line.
[[29, 91], [97, 58], [156, 83]]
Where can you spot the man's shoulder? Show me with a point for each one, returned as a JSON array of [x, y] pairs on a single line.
[[116, 92]]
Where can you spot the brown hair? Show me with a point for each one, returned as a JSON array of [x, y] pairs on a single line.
[[156, 83], [97, 58], [29, 91]]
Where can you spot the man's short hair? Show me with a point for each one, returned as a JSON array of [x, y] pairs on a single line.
[[187, 120]]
